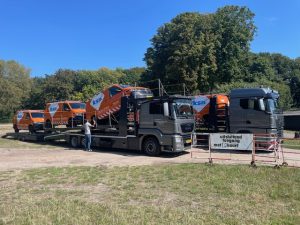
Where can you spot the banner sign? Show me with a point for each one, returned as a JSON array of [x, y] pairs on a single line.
[[97, 100], [53, 107], [19, 116], [231, 141], [199, 102]]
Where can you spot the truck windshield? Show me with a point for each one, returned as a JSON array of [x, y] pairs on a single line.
[[183, 108], [271, 105], [37, 115], [77, 105]]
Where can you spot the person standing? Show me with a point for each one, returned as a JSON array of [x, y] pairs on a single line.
[[87, 133]]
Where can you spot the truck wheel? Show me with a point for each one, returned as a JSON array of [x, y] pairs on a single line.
[[74, 142], [151, 146]]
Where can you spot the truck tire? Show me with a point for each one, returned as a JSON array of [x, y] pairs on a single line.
[[151, 146], [74, 142]]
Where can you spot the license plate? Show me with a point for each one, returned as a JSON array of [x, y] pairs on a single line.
[[188, 141]]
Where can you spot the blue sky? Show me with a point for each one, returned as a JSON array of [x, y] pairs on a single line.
[[89, 34]]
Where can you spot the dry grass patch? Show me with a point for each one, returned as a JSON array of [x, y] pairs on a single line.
[[161, 194]]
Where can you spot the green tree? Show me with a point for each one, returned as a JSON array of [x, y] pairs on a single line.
[[36, 99], [59, 86], [131, 76], [259, 67], [235, 29], [68, 84], [295, 88], [201, 50], [175, 55], [15, 85], [285, 69]]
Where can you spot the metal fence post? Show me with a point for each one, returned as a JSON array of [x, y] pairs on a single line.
[[284, 163], [209, 149], [253, 152]]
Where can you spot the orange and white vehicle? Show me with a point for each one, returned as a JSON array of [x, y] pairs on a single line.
[[69, 113], [31, 120], [210, 110], [108, 101]]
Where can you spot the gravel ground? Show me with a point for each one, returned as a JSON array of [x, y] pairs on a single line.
[[12, 158]]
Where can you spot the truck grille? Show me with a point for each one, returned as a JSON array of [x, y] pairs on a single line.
[[187, 127]]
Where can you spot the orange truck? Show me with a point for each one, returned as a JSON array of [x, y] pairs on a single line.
[[211, 111], [69, 113], [108, 102], [31, 120]]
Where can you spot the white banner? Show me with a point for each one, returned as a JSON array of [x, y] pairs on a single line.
[[231, 141], [19, 116], [53, 107], [97, 100]]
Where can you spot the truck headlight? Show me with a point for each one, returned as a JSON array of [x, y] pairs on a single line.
[[178, 140]]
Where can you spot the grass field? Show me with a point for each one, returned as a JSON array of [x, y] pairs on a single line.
[[292, 144], [162, 194]]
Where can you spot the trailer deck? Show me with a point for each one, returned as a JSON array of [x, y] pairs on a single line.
[[26, 136]]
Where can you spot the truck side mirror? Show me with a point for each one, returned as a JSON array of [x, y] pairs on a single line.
[[166, 108], [261, 104]]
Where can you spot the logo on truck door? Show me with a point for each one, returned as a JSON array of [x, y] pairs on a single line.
[[97, 100], [20, 116], [199, 102], [53, 107]]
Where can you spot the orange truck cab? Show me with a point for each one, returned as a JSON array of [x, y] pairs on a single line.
[[108, 101], [210, 110], [31, 120], [69, 113]]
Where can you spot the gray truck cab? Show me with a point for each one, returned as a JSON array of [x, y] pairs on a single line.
[[255, 110], [169, 121]]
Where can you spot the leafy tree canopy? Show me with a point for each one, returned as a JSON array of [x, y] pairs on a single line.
[[202, 50], [15, 86]]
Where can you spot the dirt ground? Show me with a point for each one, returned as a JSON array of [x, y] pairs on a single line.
[[26, 156]]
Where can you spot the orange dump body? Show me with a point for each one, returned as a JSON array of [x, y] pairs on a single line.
[[202, 106], [31, 120], [109, 101], [70, 113]]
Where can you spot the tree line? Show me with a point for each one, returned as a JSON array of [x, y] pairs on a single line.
[[19, 91], [209, 53]]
